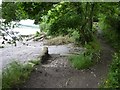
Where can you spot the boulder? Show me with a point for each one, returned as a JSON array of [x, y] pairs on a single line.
[[44, 55]]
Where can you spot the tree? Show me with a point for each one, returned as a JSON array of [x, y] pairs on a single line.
[[64, 15]]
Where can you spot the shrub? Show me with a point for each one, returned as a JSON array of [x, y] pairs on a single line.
[[75, 36], [37, 34], [88, 58], [112, 38], [113, 80], [16, 74], [81, 61], [61, 17], [44, 26], [110, 26]]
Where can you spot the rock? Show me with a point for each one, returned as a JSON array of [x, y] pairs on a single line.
[[44, 55]]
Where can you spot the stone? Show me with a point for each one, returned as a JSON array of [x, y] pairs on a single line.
[[44, 55]]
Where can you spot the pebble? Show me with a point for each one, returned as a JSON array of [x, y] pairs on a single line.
[[87, 85], [94, 75], [92, 72]]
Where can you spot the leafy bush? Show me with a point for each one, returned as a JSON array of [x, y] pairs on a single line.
[[113, 80], [110, 30], [88, 58], [109, 23], [44, 26], [81, 61], [75, 36], [93, 46], [16, 74], [59, 19]]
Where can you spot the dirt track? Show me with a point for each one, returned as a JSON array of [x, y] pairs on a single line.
[[58, 73], [30, 51]]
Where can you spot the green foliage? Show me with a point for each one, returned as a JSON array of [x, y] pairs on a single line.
[[37, 34], [113, 80], [94, 45], [8, 11], [20, 13], [21, 10], [35, 10], [81, 61], [109, 22], [60, 18], [75, 36], [113, 38], [16, 74], [88, 58], [44, 26], [35, 62]]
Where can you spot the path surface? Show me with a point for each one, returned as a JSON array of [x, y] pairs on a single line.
[[24, 53], [58, 73]]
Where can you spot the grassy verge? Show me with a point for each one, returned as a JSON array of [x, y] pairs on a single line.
[[113, 79], [81, 61], [17, 73], [88, 58]]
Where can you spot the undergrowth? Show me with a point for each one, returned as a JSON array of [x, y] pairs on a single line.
[[81, 61], [37, 34], [113, 79], [113, 38], [88, 58], [16, 74]]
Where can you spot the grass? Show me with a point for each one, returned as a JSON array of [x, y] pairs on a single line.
[[35, 62], [16, 74], [113, 79], [81, 61], [37, 34], [59, 40], [88, 58]]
